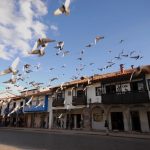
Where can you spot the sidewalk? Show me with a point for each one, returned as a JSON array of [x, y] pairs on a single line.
[[84, 132]]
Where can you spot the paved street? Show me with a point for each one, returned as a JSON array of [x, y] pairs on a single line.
[[40, 140]]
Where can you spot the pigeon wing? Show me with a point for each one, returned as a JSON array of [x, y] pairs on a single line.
[[67, 3], [5, 71], [35, 46], [15, 64], [59, 11]]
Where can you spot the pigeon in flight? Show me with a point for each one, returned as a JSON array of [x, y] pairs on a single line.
[[65, 8], [26, 66], [28, 103], [91, 64], [12, 68], [51, 69], [132, 52], [121, 41], [40, 51], [65, 53], [43, 42], [60, 45], [53, 79], [136, 57], [98, 38], [89, 45]]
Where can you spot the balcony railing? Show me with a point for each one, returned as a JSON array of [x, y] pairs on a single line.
[[132, 97], [79, 100], [58, 102]]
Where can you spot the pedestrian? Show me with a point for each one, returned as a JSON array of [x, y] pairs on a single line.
[[106, 127]]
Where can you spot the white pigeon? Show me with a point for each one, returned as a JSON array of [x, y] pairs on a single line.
[[40, 51], [41, 103], [97, 38], [12, 68], [43, 42], [28, 103], [65, 8], [64, 53], [60, 45], [14, 110]]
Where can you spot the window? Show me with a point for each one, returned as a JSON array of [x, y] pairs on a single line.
[[137, 86], [98, 91], [140, 86], [111, 89]]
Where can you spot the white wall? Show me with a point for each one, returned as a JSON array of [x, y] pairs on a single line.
[[50, 112], [91, 93], [99, 125], [144, 121]]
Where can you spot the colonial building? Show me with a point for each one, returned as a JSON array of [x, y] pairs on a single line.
[[121, 98]]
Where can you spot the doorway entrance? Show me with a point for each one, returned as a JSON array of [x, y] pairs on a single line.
[[135, 120], [148, 116], [117, 121], [78, 125]]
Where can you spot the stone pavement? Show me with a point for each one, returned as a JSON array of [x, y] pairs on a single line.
[[83, 132]]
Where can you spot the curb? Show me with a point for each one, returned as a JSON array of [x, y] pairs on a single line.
[[77, 132]]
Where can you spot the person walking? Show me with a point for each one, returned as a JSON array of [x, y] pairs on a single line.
[[106, 127]]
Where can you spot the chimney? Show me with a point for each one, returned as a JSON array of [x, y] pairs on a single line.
[[122, 68]]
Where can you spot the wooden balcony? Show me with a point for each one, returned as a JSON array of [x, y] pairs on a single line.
[[79, 100], [58, 102], [132, 97]]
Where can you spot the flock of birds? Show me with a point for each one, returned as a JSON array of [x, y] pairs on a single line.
[[39, 49]]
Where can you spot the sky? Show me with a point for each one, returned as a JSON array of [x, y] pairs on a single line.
[[23, 22]]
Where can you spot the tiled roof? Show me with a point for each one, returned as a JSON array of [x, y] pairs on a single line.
[[83, 80]]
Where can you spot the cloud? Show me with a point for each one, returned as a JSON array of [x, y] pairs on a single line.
[[20, 25], [54, 27], [4, 54]]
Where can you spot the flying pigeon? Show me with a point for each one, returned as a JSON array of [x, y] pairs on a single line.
[[64, 53], [98, 38], [121, 41], [12, 68], [51, 69], [82, 52], [136, 57], [89, 45], [63, 9], [40, 51], [60, 45], [43, 42], [28, 103], [132, 52], [26, 66], [80, 58], [91, 64]]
